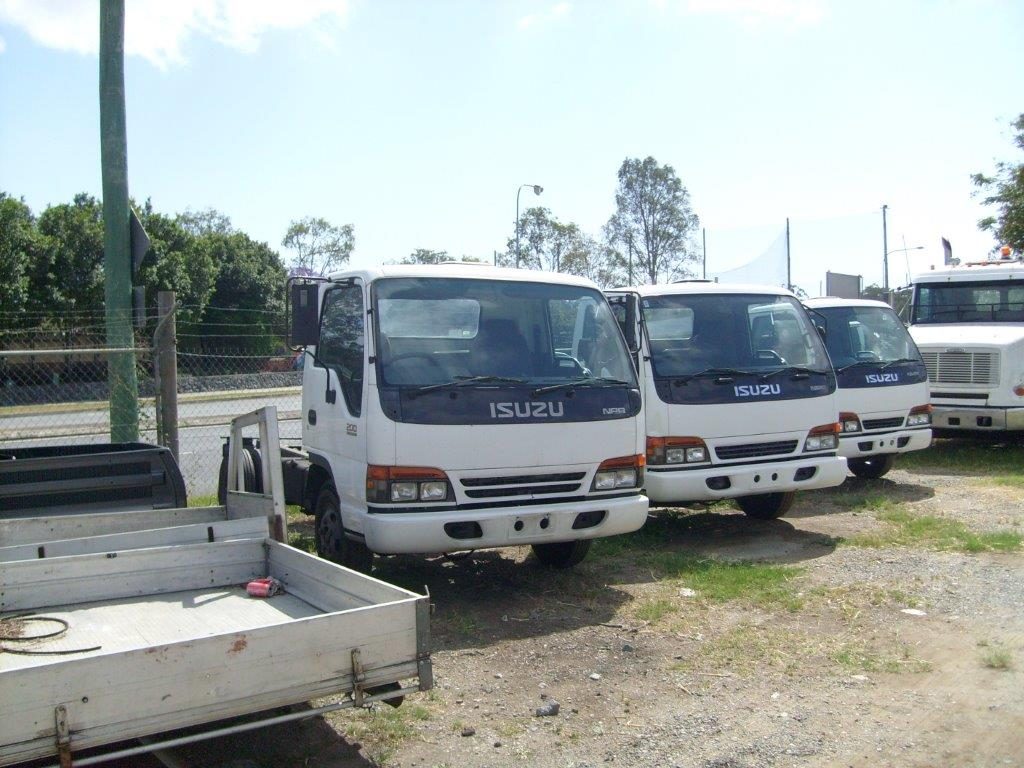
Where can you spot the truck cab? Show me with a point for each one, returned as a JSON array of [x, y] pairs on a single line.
[[882, 383], [456, 407], [739, 394], [968, 321]]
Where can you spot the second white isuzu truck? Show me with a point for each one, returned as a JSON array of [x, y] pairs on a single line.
[[883, 384], [739, 394]]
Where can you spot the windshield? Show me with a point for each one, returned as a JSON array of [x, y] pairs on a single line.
[[434, 331], [866, 334], [969, 302], [689, 334]]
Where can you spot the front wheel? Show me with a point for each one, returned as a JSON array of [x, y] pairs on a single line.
[[564, 554], [331, 542], [766, 506], [871, 467]]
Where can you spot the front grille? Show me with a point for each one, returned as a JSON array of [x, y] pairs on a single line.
[[962, 367], [883, 423], [522, 485], [750, 450]]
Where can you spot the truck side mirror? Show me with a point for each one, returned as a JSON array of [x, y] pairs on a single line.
[[304, 320]]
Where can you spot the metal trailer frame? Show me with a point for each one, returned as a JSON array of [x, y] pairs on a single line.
[[181, 643]]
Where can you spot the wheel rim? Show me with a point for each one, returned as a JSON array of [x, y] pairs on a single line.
[[329, 531]]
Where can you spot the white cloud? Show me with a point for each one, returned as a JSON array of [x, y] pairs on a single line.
[[554, 13], [3, 45], [755, 12], [158, 30]]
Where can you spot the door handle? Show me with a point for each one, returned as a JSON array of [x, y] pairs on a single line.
[[311, 417]]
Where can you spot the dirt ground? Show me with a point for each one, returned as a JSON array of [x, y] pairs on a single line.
[[855, 651]]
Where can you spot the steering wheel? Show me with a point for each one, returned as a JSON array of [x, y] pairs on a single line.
[[770, 354]]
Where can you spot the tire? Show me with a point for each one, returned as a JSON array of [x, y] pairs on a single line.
[[252, 474], [564, 554], [331, 542], [767, 506], [872, 467]]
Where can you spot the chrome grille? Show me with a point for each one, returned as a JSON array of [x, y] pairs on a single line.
[[883, 423], [755, 449], [522, 485], [962, 367]]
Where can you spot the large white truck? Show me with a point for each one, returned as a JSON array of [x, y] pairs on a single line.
[[882, 383], [456, 407], [968, 321], [739, 394]]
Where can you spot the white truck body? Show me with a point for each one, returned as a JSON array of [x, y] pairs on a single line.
[[160, 633], [738, 394], [882, 383], [458, 407], [968, 322]]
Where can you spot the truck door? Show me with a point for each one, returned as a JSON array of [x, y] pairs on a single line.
[[335, 395]]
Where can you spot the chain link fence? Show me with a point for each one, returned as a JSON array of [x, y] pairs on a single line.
[[54, 387]]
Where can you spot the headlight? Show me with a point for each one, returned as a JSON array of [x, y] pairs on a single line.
[[621, 472], [920, 416], [406, 484], [676, 450], [823, 438], [850, 422]]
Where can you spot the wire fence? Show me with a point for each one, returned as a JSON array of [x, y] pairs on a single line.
[[55, 386]]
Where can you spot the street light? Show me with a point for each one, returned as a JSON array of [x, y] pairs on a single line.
[[885, 267], [537, 189]]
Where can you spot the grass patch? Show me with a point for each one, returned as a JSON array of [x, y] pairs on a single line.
[[748, 649], [939, 533], [996, 458], [721, 581], [652, 610], [861, 657], [852, 600], [995, 656], [383, 729]]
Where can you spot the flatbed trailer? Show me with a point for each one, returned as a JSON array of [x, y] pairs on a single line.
[[153, 629]]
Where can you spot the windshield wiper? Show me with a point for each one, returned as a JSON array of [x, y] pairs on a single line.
[[597, 381], [463, 381], [858, 364], [723, 373], [898, 360], [798, 371]]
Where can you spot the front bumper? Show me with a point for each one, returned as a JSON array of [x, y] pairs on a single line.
[[867, 444], [425, 532], [674, 486], [983, 419]]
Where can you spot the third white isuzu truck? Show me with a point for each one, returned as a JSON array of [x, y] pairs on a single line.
[[739, 394], [883, 385]]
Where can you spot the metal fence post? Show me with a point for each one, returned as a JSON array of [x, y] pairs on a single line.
[[166, 357]]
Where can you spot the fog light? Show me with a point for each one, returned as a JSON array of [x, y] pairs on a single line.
[[720, 483]]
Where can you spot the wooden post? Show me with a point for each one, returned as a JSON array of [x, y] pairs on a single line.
[[165, 348]]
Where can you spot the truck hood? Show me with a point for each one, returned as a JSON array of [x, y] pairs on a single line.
[[991, 334]]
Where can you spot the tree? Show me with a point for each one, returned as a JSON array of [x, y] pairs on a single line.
[[208, 221], [20, 246], [425, 256], [1006, 190], [66, 281], [653, 223], [548, 244], [319, 246]]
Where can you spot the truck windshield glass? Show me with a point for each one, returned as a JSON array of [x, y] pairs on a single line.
[[969, 302], [437, 330], [866, 334], [692, 333]]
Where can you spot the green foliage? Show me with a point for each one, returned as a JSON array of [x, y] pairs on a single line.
[[20, 246], [67, 276], [548, 244], [426, 256], [1005, 190], [319, 246], [906, 529], [653, 225]]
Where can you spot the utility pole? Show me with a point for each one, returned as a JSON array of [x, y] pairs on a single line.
[[704, 237], [117, 265], [789, 280], [885, 251]]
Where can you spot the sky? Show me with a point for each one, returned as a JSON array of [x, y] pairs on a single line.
[[417, 121]]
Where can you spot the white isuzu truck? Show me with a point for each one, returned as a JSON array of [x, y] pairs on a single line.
[[968, 321], [456, 407], [882, 383], [739, 394]]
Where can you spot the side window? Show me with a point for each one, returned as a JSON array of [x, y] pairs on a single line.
[[342, 338]]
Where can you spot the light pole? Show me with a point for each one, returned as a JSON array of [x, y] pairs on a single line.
[[537, 189], [885, 277]]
